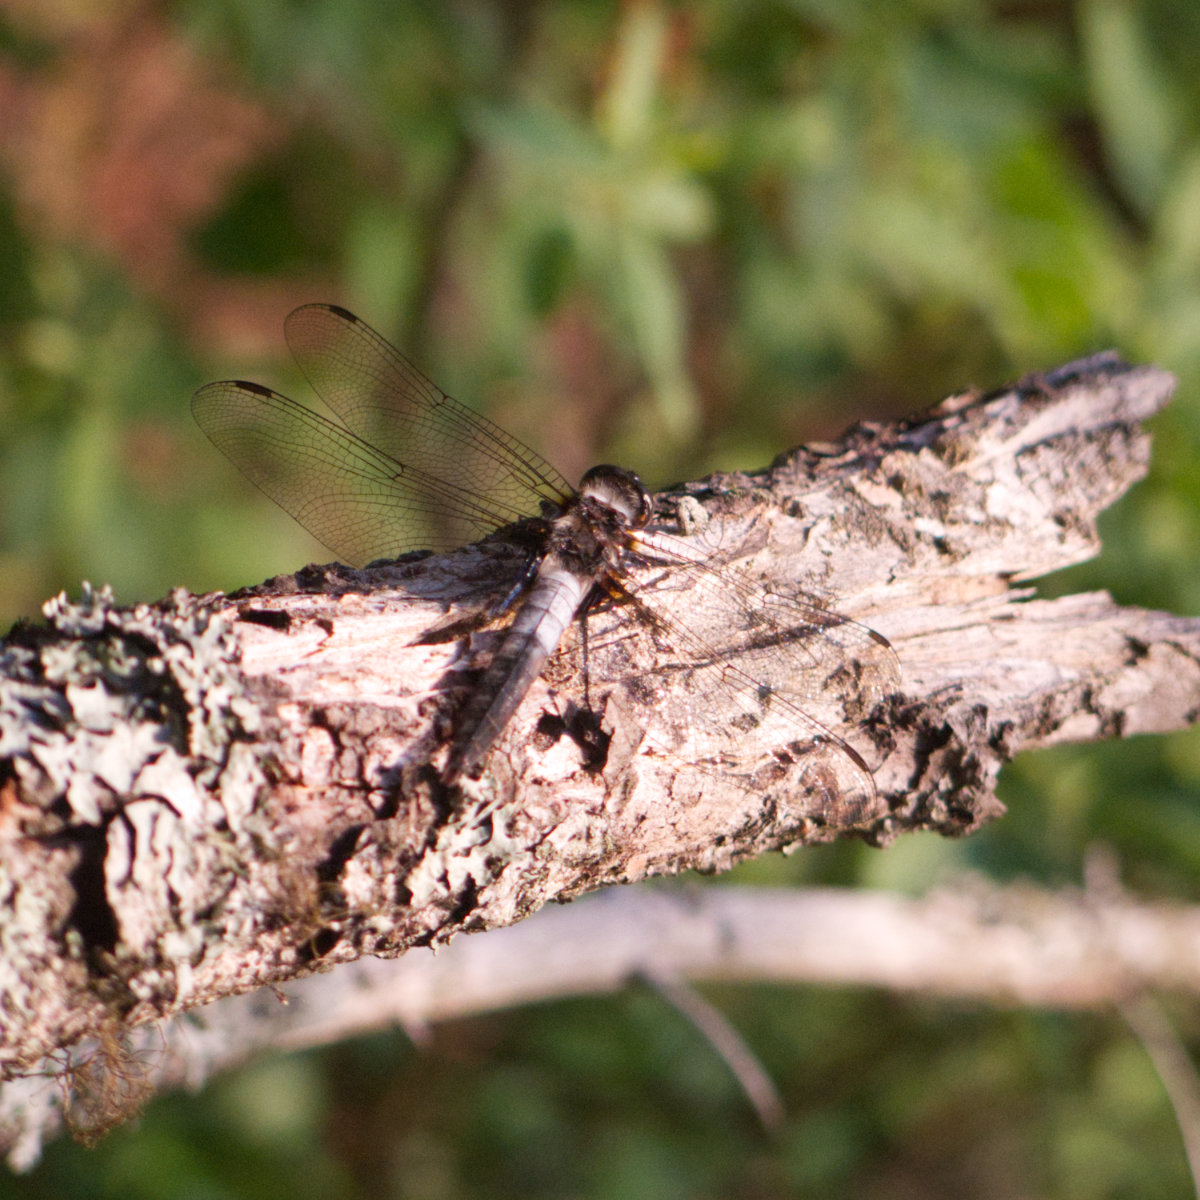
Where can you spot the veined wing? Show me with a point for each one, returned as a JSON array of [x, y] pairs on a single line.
[[410, 468], [791, 643], [735, 679], [379, 395]]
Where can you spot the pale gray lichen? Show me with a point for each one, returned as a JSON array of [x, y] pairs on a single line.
[[692, 516], [129, 735], [172, 667], [470, 851]]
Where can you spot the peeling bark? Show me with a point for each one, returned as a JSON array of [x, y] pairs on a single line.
[[211, 794]]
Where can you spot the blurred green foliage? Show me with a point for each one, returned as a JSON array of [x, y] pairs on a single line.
[[681, 236]]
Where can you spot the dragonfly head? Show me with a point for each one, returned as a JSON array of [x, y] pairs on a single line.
[[620, 490]]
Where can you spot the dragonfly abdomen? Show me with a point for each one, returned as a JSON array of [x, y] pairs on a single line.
[[536, 631]]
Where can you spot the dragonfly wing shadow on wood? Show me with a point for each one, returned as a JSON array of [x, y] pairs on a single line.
[[766, 678]]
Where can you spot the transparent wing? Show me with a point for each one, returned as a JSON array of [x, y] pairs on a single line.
[[736, 679], [379, 395], [410, 468]]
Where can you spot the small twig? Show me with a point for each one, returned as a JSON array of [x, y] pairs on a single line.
[[1150, 1026], [1145, 1017], [751, 1075]]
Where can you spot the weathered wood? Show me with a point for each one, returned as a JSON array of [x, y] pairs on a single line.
[[210, 794]]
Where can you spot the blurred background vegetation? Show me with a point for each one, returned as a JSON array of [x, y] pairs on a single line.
[[679, 236]]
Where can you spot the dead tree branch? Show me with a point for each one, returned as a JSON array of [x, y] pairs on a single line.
[[207, 795]]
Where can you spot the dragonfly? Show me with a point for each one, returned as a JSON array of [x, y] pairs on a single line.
[[733, 679]]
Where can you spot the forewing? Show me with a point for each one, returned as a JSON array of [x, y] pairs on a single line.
[[385, 400], [732, 678], [408, 469], [792, 644]]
